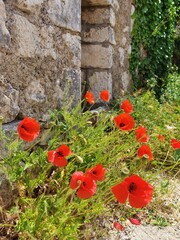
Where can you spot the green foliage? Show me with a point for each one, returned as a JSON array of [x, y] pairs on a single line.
[[172, 89], [153, 39], [47, 208]]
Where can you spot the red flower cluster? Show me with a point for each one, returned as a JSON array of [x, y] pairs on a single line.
[[58, 157], [141, 135], [126, 106], [86, 183], [28, 129], [124, 121], [144, 150], [175, 143], [104, 95], [135, 189]]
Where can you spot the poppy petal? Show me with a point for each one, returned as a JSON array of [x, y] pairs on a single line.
[[77, 176], [118, 226], [104, 95], [161, 138], [60, 161], [126, 106], [120, 191], [28, 129], [145, 151], [138, 201], [124, 121], [64, 150], [96, 173], [135, 221], [141, 135], [89, 97], [175, 143], [51, 155]]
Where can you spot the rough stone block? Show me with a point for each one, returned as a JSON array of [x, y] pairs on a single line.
[[6, 195], [4, 33], [72, 43], [113, 3], [99, 35], [5, 37], [66, 13], [27, 36], [98, 81], [98, 16], [9, 96], [29, 6], [97, 56], [83, 81], [31, 41], [2, 11]]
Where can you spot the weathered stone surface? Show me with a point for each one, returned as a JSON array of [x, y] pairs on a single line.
[[97, 81], [120, 71], [4, 33], [2, 11], [113, 3], [9, 96], [73, 44], [39, 41], [5, 37], [35, 93], [65, 13], [97, 56], [6, 195], [71, 88], [98, 16], [99, 35], [29, 6], [27, 40]]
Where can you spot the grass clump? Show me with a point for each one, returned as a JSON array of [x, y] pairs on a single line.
[[46, 207]]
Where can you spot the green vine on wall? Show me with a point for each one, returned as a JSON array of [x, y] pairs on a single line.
[[153, 39]]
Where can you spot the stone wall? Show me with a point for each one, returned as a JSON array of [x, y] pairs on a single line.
[[40, 53], [106, 29], [122, 81]]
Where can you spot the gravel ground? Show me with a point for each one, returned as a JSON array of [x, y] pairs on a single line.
[[146, 233]]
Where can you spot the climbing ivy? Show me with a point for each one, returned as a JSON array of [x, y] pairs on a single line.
[[153, 37]]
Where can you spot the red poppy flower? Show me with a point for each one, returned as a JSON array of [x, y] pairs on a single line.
[[86, 186], [58, 157], [124, 121], [161, 138], [104, 95], [135, 189], [126, 106], [175, 143], [89, 97], [135, 221], [118, 226], [28, 129], [145, 151], [141, 135], [96, 173]]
